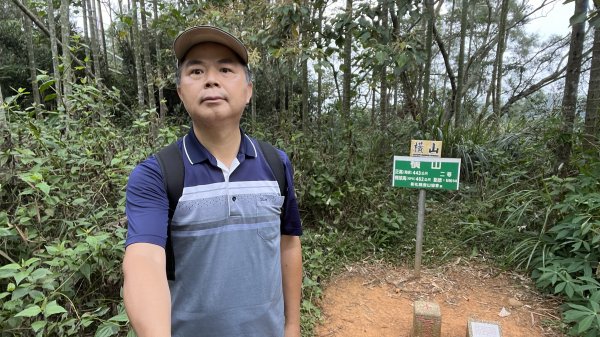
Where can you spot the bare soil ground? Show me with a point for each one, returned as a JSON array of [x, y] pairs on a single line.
[[376, 300]]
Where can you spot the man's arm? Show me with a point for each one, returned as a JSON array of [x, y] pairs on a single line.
[[146, 291], [291, 270]]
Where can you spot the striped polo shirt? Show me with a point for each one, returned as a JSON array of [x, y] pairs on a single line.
[[225, 233]]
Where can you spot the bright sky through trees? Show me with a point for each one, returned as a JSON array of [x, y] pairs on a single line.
[[554, 18]]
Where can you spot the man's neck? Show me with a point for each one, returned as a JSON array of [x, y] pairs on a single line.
[[224, 144]]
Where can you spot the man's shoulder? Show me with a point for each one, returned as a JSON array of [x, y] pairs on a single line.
[[264, 144], [145, 173], [150, 165]]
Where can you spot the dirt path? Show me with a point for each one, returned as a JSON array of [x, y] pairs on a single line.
[[376, 301]]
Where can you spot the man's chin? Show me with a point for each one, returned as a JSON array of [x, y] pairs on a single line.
[[216, 118]]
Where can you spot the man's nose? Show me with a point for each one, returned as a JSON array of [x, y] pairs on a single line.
[[211, 78]]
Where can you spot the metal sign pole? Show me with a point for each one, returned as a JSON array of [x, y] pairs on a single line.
[[425, 169], [420, 225]]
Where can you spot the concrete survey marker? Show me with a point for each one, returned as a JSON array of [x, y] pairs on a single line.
[[483, 329], [427, 320]]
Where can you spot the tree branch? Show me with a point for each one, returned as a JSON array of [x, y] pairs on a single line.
[[43, 28], [446, 58], [555, 76]]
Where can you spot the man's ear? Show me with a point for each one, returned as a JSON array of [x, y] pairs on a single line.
[[249, 96]]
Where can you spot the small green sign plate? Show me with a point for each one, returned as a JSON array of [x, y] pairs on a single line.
[[426, 173]]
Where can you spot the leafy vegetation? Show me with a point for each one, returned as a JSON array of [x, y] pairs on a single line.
[[63, 196], [63, 228], [565, 258]]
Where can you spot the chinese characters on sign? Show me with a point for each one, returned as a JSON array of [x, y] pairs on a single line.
[[425, 148], [426, 172]]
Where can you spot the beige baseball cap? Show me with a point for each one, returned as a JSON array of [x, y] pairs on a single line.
[[198, 34]]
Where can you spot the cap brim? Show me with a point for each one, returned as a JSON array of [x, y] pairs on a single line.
[[199, 34]]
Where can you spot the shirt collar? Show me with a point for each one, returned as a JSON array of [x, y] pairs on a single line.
[[196, 153]]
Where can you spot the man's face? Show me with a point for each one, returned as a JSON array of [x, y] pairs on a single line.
[[213, 86]]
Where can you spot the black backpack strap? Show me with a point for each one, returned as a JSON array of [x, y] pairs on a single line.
[[171, 166], [276, 164]]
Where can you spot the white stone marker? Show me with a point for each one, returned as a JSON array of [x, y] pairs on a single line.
[[483, 329]]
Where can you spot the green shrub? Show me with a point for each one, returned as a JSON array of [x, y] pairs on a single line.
[[62, 227], [565, 258]]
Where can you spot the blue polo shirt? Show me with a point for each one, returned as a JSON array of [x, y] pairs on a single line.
[[226, 238]]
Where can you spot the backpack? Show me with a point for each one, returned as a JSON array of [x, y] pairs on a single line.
[[171, 166]]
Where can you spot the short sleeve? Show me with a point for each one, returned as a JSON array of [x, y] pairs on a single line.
[[146, 205], [291, 224]]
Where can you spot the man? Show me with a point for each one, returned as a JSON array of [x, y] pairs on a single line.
[[238, 268]]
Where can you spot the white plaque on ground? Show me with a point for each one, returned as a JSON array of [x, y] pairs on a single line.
[[481, 329]]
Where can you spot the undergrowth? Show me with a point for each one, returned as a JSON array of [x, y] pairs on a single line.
[[62, 224]]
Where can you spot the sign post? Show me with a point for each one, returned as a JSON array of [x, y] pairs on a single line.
[[424, 169], [420, 226]]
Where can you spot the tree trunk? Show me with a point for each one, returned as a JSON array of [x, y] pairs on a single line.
[[305, 92], [31, 61], [458, 110], [103, 35], [347, 66], [411, 102], [6, 142], [592, 120], [86, 34], [373, 98], [383, 100], [161, 96], [502, 33], [569, 101], [93, 27], [449, 71], [66, 36], [305, 43], [289, 97], [320, 72], [137, 54], [427, 71], [3, 119], [113, 38], [54, 50], [480, 56], [489, 95], [281, 94], [146, 54], [253, 107]]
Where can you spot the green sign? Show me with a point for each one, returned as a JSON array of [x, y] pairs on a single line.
[[426, 173]]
